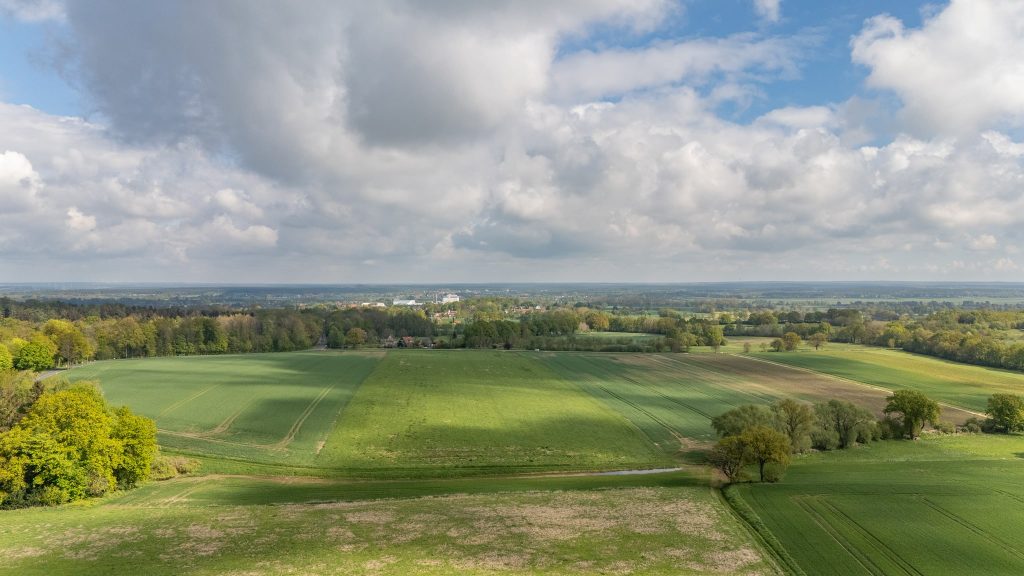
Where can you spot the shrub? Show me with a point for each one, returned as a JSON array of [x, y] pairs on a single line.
[[823, 439], [945, 427], [973, 425]]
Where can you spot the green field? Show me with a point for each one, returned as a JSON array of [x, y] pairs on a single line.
[[946, 505], [956, 384], [433, 412], [268, 408], [434, 462]]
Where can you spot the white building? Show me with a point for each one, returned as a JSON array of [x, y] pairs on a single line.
[[406, 303], [450, 298]]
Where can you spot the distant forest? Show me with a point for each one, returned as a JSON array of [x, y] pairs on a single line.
[[40, 334]]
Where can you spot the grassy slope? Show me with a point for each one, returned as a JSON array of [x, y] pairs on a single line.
[[957, 384], [271, 408], [577, 525], [946, 505], [450, 413]]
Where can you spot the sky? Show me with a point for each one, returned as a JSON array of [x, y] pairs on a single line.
[[511, 141]]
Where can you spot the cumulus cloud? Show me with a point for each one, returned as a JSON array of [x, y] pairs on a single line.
[[958, 73], [19, 182], [455, 140]]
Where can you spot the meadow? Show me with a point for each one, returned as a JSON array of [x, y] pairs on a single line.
[[483, 462], [956, 384], [671, 524]]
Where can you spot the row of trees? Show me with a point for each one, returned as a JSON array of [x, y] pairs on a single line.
[[768, 435], [59, 342], [62, 443]]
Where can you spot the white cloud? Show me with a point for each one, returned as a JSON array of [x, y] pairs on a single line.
[[958, 73], [768, 9], [19, 182], [33, 10], [589, 74], [449, 141]]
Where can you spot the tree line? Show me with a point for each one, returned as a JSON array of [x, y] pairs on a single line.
[[28, 345], [767, 436]]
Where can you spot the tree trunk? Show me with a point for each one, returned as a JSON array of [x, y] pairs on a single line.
[[761, 466]]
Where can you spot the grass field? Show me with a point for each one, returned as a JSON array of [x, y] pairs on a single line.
[[561, 526], [272, 408], [450, 413], [956, 384], [945, 505], [412, 463]]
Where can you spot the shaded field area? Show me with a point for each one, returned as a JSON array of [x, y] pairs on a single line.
[[960, 385], [272, 408], [672, 397], [453, 413], [616, 529], [946, 505]]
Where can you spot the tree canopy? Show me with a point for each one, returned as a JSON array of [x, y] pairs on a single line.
[[913, 409], [1006, 412], [70, 445]]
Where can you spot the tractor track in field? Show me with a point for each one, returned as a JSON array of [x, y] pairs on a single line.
[[184, 401], [873, 540], [227, 422], [972, 527], [297, 425]]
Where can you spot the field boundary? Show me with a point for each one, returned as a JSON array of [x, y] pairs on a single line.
[[852, 381]]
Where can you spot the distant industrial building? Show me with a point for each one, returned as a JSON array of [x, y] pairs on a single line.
[[450, 298], [412, 302]]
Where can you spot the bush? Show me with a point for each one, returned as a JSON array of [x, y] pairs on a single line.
[[890, 428], [945, 427], [774, 471], [167, 467], [162, 469], [822, 439], [973, 425]]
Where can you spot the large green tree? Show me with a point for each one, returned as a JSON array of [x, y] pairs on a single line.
[[764, 446], [845, 421], [1006, 411], [37, 355], [734, 422], [729, 456], [912, 409], [795, 420], [70, 445]]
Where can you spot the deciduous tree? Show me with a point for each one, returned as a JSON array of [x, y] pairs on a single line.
[[730, 456], [913, 409], [764, 446], [1006, 411]]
